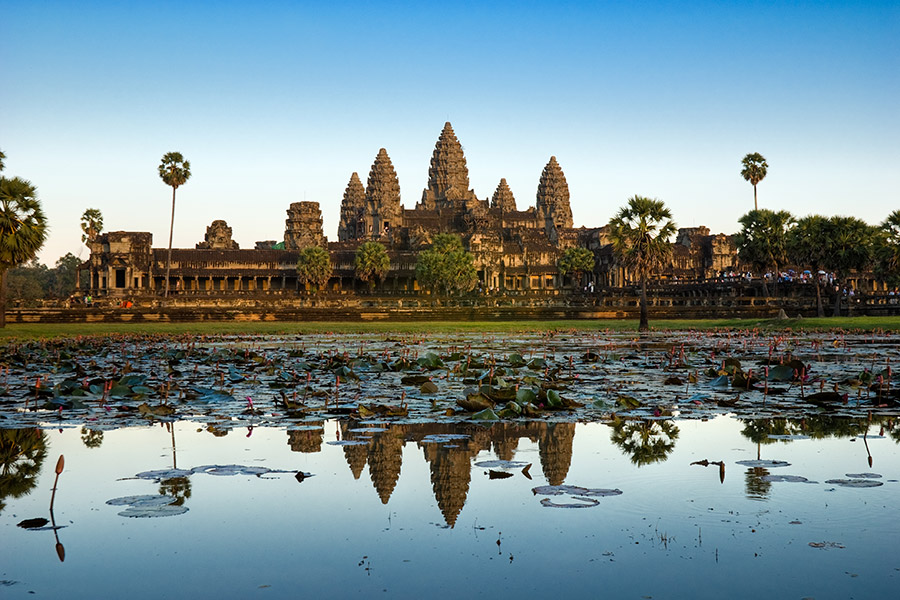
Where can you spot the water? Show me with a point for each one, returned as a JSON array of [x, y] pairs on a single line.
[[405, 515]]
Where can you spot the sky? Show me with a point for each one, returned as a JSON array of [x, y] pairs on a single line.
[[279, 102]]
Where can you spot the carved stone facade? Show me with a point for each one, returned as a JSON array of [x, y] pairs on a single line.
[[303, 226], [514, 250], [218, 237]]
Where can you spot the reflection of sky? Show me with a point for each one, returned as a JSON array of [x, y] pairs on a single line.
[[244, 532]]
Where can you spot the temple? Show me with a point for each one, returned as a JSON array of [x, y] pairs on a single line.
[[514, 250]]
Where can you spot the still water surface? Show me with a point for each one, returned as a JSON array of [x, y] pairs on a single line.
[[407, 511]]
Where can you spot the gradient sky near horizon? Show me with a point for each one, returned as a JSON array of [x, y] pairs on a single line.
[[279, 102]]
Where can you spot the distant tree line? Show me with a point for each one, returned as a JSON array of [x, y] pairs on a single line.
[[29, 283]]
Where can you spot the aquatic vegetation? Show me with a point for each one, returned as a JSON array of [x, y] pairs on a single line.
[[228, 381]]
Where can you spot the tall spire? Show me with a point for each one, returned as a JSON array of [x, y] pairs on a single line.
[[448, 176], [503, 197], [553, 196], [383, 211], [352, 207]]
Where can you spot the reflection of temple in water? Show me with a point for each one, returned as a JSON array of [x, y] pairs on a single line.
[[555, 448], [451, 462], [307, 440]]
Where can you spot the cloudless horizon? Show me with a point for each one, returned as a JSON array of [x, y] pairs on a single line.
[[279, 102]]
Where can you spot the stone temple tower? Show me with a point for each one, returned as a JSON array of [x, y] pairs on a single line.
[[303, 226], [503, 197], [352, 208], [448, 176], [383, 211], [553, 197]]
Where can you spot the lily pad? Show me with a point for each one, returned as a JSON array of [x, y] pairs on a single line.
[[854, 483], [150, 512], [766, 464]]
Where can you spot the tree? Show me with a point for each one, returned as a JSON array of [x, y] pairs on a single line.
[[575, 261], [314, 266], [372, 262], [2, 158], [754, 171], [174, 171], [23, 229], [805, 247], [849, 246], [762, 240], [640, 234], [91, 225], [446, 266], [62, 283], [887, 250]]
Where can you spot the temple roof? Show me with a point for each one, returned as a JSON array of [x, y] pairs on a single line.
[[448, 165], [383, 189], [553, 195], [503, 197]]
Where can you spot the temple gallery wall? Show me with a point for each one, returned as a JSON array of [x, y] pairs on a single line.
[[514, 248]]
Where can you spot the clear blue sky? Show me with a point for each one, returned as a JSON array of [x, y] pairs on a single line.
[[279, 102]]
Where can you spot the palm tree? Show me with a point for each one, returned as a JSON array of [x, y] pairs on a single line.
[[645, 441], [174, 171], [805, 247], [372, 262], [23, 229], [754, 171], [887, 251], [849, 246], [314, 266], [640, 234], [2, 158], [91, 225], [762, 240]]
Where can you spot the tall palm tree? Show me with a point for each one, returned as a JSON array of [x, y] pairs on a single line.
[[754, 171], [762, 240], [91, 224], [640, 234], [806, 248], [849, 245], [2, 158], [174, 171], [23, 229]]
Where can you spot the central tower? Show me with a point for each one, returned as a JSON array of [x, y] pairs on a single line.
[[448, 176]]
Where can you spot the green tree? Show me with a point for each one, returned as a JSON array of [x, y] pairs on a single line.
[[28, 283], [22, 453], [887, 250], [23, 229], [762, 240], [314, 266], [91, 225], [174, 171], [446, 267], [63, 276], [849, 246], [645, 441], [754, 171], [640, 234], [2, 158], [575, 261], [372, 263], [806, 248]]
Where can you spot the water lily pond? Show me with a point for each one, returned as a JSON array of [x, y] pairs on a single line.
[[709, 464]]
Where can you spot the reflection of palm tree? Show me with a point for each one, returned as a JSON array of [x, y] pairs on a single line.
[[757, 487], [646, 441], [91, 438], [179, 487], [759, 430], [22, 453]]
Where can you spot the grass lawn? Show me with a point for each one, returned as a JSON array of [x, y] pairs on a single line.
[[26, 330]]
